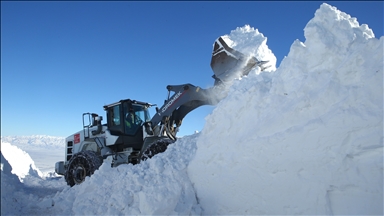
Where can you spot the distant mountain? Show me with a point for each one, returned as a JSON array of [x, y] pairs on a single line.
[[43, 141]]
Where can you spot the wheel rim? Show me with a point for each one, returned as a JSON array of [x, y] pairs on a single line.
[[79, 174], [81, 165]]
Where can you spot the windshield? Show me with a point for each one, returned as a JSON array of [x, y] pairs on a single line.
[[135, 116]]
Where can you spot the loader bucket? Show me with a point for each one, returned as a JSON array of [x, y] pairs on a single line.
[[228, 64]]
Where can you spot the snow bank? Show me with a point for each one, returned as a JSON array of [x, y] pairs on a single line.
[[305, 139], [23, 189], [44, 150], [22, 163], [159, 186], [10, 184]]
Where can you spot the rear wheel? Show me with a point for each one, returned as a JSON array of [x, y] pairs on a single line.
[[156, 147], [81, 165]]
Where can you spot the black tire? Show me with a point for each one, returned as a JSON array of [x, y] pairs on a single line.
[[81, 165], [156, 147]]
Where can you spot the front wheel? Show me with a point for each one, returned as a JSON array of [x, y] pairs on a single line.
[[81, 165]]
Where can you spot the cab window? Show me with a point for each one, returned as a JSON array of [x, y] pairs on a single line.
[[114, 118], [134, 117]]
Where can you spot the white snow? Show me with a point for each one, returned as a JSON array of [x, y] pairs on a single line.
[[24, 188], [304, 138], [44, 150], [250, 41], [22, 163]]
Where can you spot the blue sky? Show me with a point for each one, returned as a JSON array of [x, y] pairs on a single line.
[[62, 59]]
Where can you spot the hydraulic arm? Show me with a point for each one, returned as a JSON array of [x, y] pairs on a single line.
[[227, 64], [184, 99]]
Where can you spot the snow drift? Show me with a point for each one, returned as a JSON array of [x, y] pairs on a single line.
[[24, 188], [37, 146], [10, 185], [22, 163], [306, 138]]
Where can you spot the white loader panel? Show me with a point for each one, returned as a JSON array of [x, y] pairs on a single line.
[[72, 144], [110, 139]]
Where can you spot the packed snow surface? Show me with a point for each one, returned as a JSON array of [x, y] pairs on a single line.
[[305, 138]]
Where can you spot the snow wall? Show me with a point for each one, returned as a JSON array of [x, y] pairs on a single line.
[[22, 163], [305, 139], [16, 166]]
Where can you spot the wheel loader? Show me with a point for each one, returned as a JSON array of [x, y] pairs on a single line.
[[131, 135]]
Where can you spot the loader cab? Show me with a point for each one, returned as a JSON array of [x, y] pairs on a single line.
[[126, 117]]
